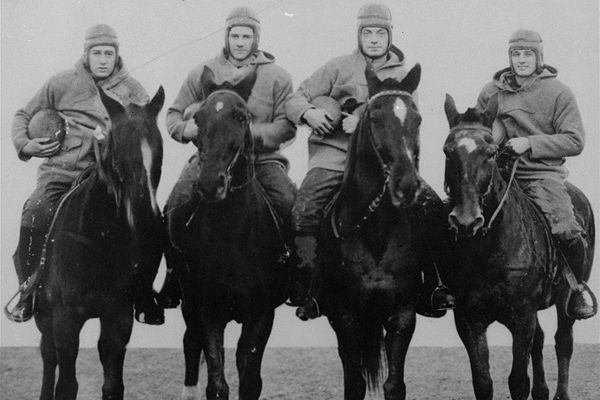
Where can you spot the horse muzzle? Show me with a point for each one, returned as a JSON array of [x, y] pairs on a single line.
[[466, 224], [405, 191], [215, 190]]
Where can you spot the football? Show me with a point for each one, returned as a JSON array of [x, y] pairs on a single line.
[[47, 123]]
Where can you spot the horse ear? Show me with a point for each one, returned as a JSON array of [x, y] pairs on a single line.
[[244, 87], [157, 102], [373, 82], [489, 115], [207, 81], [451, 114], [113, 107], [412, 79]]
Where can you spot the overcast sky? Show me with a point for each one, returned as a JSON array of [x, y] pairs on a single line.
[[459, 43]]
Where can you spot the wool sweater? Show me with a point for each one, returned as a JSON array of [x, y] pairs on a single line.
[[342, 78], [545, 111], [270, 127], [74, 95]]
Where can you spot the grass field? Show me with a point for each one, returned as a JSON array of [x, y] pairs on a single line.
[[295, 373]]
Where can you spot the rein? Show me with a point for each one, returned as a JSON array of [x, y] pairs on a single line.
[[376, 202], [486, 229]]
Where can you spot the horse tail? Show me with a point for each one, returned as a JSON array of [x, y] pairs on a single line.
[[372, 341]]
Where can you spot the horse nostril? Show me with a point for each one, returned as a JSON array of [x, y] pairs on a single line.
[[477, 224], [453, 221]]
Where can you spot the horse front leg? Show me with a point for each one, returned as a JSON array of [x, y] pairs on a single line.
[[43, 320], [348, 334], [563, 339], [115, 331], [66, 326], [249, 354], [217, 387], [522, 327], [192, 348], [399, 331], [473, 335], [539, 390]]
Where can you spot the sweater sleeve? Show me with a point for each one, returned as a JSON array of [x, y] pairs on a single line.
[[190, 92], [568, 138], [43, 99], [319, 84], [280, 130]]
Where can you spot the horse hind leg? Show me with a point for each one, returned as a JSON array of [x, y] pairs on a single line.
[[43, 320], [399, 331], [563, 339], [539, 390], [249, 354], [115, 331], [523, 329], [66, 327]]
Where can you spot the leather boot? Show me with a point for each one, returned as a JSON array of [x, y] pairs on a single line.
[[26, 260], [581, 304], [434, 302], [304, 277]]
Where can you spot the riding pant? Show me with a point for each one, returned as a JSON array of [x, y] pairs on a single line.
[[552, 198]]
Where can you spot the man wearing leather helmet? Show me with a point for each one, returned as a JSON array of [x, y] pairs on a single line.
[[343, 79], [72, 96]]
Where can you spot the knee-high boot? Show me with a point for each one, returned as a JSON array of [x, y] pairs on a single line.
[[581, 304], [27, 260], [304, 286]]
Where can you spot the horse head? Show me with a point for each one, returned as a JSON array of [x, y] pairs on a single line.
[[470, 167], [131, 159], [224, 138], [391, 120]]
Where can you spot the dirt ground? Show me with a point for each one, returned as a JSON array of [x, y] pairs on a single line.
[[295, 373]]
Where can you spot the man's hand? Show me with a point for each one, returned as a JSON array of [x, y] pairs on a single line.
[[190, 132], [319, 120], [518, 145], [41, 147], [349, 122]]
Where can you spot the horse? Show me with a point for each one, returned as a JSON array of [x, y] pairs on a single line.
[[505, 267], [369, 251], [230, 244], [93, 243]]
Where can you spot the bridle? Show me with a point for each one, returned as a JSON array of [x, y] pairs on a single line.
[[376, 202], [490, 185], [239, 151]]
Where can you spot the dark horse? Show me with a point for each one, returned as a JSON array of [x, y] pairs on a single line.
[[92, 246], [506, 269], [369, 249], [230, 244]]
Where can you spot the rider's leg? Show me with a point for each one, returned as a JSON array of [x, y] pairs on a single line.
[[553, 199], [38, 212], [317, 190], [435, 297], [178, 210], [281, 192]]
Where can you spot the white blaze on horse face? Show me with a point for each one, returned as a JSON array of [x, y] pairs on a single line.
[[147, 159], [468, 144], [219, 106], [400, 110]]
